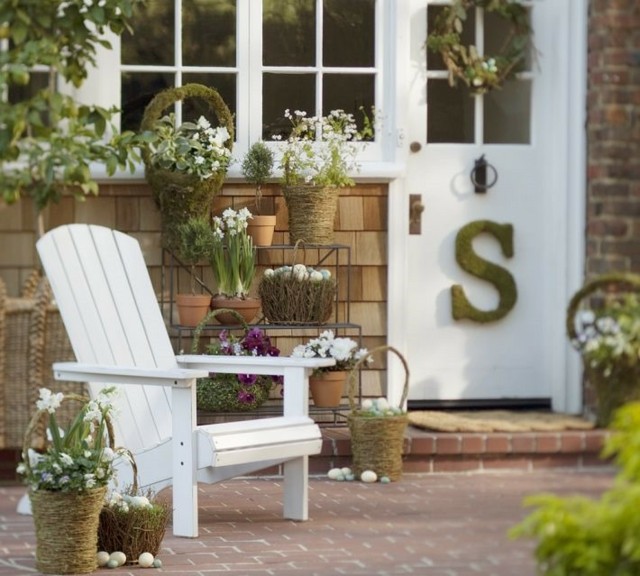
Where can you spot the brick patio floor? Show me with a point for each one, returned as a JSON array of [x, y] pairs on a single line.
[[449, 524]]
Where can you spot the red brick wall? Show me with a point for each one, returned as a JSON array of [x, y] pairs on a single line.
[[613, 134]]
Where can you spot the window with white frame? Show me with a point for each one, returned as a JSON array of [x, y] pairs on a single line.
[[263, 56]]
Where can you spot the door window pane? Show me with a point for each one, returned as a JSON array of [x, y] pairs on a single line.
[[434, 60], [450, 113], [507, 114], [497, 31], [349, 92], [349, 33], [208, 33], [288, 32]]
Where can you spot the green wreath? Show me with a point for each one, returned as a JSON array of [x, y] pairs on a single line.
[[480, 73]]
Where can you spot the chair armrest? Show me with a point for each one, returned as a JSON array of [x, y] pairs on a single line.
[[174, 377]]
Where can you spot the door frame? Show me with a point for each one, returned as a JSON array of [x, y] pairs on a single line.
[[565, 368]]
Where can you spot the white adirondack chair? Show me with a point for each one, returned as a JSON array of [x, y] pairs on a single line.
[[109, 308]]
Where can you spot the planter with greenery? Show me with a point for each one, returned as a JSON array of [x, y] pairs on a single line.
[[185, 165], [49, 141], [195, 244], [257, 168]]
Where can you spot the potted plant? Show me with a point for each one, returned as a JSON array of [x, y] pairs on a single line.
[[257, 168], [196, 240], [327, 384], [67, 471], [185, 165], [48, 140], [603, 324], [233, 263], [235, 392], [317, 158]]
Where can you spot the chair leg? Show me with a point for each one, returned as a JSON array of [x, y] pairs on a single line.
[[296, 488], [185, 487]]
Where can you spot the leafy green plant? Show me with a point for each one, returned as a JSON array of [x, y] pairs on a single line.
[[257, 167], [48, 141], [577, 536], [196, 241]]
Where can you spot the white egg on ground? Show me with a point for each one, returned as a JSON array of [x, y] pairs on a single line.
[[157, 563], [368, 476], [334, 473], [119, 557], [145, 560], [102, 558], [346, 470]]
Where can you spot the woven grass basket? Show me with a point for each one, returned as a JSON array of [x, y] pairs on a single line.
[[287, 300], [622, 384], [312, 212], [66, 523], [136, 530], [377, 441], [180, 196]]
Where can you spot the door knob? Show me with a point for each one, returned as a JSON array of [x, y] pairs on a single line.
[[415, 147], [416, 208]]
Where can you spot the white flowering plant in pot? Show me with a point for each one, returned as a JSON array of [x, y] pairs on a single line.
[[233, 256], [322, 150], [343, 350], [75, 459]]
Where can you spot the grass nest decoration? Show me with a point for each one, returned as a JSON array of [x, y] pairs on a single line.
[[133, 522], [177, 194], [489, 71]]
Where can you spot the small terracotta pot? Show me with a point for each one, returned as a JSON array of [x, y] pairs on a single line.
[[192, 308], [260, 228], [327, 388], [247, 308]]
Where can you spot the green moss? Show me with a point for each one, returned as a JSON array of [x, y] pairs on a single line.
[[485, 270]]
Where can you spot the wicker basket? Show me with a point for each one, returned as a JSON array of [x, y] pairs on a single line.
[[66, 523], [32, 337], [622, 383], [181, 196], [136, 530], [312, 212], [377, 441], [220, 393], [287, 300]]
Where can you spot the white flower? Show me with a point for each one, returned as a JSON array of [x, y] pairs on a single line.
[[48, 401], [66, 459]]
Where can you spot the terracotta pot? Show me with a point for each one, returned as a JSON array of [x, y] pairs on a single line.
[[192, 308], [260, 228], [327, 388], [247, 308]]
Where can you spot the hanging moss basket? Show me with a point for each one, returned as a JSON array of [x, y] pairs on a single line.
[[180, 196]]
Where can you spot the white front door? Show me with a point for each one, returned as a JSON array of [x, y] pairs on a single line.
[[500, 351]]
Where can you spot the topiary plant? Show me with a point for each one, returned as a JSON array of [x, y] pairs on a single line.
[[257, 167], [195, 244]]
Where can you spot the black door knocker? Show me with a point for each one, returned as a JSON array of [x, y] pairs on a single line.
[[479, 175]]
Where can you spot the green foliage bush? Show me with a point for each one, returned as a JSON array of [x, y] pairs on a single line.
[[578, 536]]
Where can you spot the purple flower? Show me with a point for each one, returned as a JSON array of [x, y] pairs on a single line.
[[246, 397], [247, 379]]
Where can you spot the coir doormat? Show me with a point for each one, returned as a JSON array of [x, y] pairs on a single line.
[[496, 421]]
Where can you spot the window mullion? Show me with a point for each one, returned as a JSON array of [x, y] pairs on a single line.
[[319, 59], [177, 54]]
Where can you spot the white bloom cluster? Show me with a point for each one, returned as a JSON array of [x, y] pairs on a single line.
[[49, 401], [344, 350]]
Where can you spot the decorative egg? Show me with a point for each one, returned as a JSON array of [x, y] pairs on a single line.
[[157, 563], [102, 558], [334, 473], [316, 276], [368, 476], [385, 479], [145, 560], [349, 477], [367, 404], [325, 273], [382, 403], [269, 272], [119, 557], [346, 470], [112, 564]]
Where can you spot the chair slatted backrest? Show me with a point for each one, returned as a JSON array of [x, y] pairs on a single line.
[[110, 311]]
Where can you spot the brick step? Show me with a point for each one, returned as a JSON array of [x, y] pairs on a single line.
[[444, 452]]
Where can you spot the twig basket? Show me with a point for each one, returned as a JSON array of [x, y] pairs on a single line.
[[288, 300], [622, 383], [377, 441], [135, 530], [66, 523], [220, 392], [181, 196], [312, 211]]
